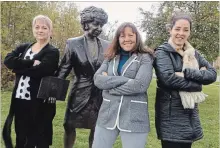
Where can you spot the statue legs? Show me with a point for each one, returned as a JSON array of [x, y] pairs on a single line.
[[91, 137], [70, 137]]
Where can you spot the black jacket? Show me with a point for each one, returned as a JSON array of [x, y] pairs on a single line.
[[49, 57], [173, 123]]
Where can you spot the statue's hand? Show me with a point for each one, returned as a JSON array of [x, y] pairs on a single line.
[[50, 100]]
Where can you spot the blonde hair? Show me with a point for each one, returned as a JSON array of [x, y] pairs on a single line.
[[45, 18]]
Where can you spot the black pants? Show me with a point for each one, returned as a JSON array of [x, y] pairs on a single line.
[[33, 123], [169, 144], [24, 123]]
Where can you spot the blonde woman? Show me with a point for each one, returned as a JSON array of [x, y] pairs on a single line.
[[30, 62]]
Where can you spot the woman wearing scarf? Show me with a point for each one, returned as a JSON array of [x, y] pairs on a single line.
[[181, 71]]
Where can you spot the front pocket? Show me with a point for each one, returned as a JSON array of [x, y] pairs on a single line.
[[138, 102], [138, 111], [104, 111]]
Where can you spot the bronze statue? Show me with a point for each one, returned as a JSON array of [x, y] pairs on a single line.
[[84, 55]]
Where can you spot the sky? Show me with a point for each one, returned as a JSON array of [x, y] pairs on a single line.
[[121, 11]]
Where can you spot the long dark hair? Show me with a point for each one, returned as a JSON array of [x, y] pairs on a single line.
[[114, 48]]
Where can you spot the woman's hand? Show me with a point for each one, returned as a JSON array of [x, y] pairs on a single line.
[[104, 73], [181, 74], [203, 68], [36, 62]]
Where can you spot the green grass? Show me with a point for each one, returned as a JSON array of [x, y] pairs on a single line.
[[209, 115], [218, 72]]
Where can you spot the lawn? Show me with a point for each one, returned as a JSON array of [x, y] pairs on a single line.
[[209, 114]]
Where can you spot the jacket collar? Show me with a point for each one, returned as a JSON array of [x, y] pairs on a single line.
[[125, 66], [187, 48], [45, 48], [36, 55], [177, 49], [167, 46]]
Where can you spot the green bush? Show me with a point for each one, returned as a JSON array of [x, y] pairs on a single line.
[[7, 77]]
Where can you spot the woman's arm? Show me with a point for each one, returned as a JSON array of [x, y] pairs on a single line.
[[13, 61], [140, 83], [166, 74], [48, 65], [205, 76], [107, 82]]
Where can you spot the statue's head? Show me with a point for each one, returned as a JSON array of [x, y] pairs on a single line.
[[93, 19]]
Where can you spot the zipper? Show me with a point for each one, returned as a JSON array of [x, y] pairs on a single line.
[[170, 104]]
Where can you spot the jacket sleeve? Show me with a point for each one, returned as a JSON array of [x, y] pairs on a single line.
[[204, 77], [48, 65], [107, 82], [66, 63], [166, 74], [13, 60], [141, 81]]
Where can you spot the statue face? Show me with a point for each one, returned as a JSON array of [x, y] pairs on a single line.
[[95, 28]]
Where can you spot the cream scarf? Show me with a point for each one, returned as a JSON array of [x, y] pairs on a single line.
[[189, 61]]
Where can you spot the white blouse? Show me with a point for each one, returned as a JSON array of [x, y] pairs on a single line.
[[23, 89]]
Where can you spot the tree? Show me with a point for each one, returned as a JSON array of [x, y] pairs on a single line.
[[109, 31], [205, 30], [16, 26]]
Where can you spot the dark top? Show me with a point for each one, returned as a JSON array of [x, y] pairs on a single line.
[[49, 57], [173, 122], [124, 56]]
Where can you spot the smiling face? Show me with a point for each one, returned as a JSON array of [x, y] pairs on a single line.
[[41, 30], [180, 32], [127, 39]]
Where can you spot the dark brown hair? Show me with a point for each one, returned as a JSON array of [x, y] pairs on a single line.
[[180, 15], [115, 46]]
